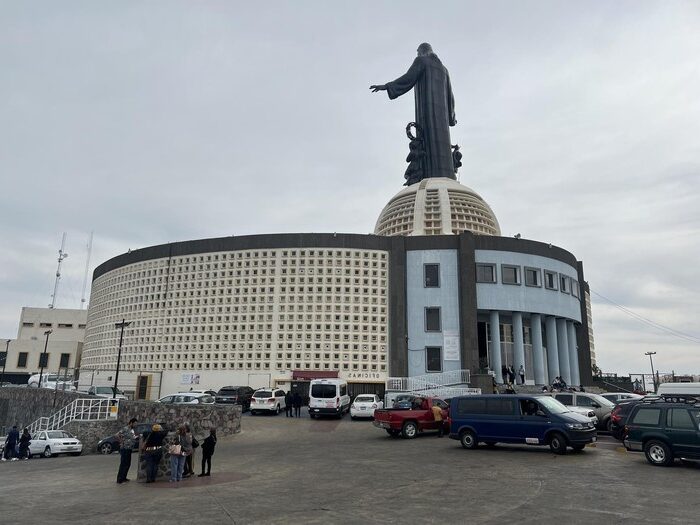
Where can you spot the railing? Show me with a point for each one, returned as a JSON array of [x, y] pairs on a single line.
[[429, 381], [79, 410]]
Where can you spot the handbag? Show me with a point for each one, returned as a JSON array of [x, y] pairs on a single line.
[[195, 443], [175, 450]]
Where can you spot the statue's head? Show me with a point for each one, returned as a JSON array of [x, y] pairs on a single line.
[[425, 49]]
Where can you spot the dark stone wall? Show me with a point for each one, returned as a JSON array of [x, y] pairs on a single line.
[[22, 406]]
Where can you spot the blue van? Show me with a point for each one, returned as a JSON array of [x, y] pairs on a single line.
[[533, 420]]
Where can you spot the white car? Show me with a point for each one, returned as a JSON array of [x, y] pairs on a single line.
[[51, 381], [616, 397], [590, 414], [49, 443], [267, 400], [106, 392], [364, 405], [188, 398]]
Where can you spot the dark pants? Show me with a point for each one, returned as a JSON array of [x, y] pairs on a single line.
[[288, 411], [189, 467], [10, 450], [206, 461], [152, 462], [124, 464], [441, 428], [23, 451], [297, 411], [522, 380]]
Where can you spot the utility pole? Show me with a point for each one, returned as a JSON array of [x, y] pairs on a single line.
[[121, 325], [651, 360], [42, 358], [61, 255], [4, 361]]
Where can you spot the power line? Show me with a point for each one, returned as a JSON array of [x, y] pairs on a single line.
[[649, 322]]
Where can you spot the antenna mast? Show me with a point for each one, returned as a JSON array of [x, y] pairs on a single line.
[[61, 255], [87, 269]]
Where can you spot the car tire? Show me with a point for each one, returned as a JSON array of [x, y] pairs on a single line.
[[468, 439], [277, 410], [658, 453], [608, 425], [578, 447], [409, 430], [106, 448], [557, 443], [47, 452]]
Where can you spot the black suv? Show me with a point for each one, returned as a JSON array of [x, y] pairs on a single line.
[[665, 429], [236, 395]]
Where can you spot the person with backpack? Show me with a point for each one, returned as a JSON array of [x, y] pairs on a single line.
[[208, 446]]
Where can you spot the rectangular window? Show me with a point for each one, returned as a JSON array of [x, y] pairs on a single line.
[[65, 360], [550, 280], [510, 274], [431, 275], [432, 319], [485, 273], [647, 416], [500, 407], [433, 359], [532, 277], [564, 284], [565, 399], [43, 360], [680, 418], [28, 325], [3, 356], [471, 406], [65, 325], [22, 360], [575, 289]]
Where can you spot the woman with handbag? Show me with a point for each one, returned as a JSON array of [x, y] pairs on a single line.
[[178, 452]]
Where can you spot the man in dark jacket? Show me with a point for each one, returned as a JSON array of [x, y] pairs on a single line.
[[208, 446], [296, 401], [11, 444], [288, 400]]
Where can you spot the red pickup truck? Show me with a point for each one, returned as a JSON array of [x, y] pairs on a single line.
[[408, 422]]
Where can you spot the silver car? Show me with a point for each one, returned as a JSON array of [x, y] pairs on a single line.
[[601, 406]]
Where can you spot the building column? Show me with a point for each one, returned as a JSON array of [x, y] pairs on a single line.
[[537, 351], [495, 350], [518, 344], [573, 354], [552, 352], [563, 346]]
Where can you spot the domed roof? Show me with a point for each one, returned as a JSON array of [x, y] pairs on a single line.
[[437, 206]]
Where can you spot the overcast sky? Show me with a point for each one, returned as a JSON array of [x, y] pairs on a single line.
[[149, 122]]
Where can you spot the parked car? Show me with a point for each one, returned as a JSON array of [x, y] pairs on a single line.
[[622, 410], [237, 395], [267, 400], [49, 443], [409, 422], [210, 392], [111, 443], [52, 381], [601, 406], [328, 397], [590, 414], [531, 420], [617, 397], [364, 405], [106, 392], [664, 431], [187, 398]]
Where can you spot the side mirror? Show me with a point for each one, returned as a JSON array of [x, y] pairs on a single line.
[[540, 413]]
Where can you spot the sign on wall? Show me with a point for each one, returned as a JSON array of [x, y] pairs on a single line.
[[450, 346], [190, 379]]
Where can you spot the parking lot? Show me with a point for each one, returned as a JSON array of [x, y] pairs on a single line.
[[281, 470]]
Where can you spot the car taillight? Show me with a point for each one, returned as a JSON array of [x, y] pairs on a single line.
[[337, 401], [271, 400]]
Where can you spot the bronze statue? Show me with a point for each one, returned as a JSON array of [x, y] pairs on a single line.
[[434, 110]]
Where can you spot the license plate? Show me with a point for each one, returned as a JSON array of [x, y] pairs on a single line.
[[363, 408], [594, 439]]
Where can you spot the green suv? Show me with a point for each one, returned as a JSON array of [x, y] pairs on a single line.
[[664, 430]]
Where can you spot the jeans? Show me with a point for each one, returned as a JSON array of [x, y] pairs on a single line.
[[152, 462], [124, 464], [177, 465]]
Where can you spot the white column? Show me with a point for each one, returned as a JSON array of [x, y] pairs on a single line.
[[537, 351], [563, 346], [495, 353], [518, 344], [552, 352], [573, 354]]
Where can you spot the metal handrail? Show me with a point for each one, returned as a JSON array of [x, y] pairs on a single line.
[[82, 409]]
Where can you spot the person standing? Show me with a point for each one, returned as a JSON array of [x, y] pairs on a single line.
[[208, 446], [126, 437], [288, 404], [296, 401], [24, 441], [511, 375], [504, 373], [189, 459], [437, 416], [151, 446], [11, 444], [521, 373], [178, 452]]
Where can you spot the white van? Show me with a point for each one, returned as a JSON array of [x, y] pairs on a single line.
[[690, 389], [328, 397]]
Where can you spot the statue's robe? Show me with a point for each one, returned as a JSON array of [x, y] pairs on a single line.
[[435, 111]]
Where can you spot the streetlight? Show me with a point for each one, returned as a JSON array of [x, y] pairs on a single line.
[[4, 360], [121, 325], [42, 357], [651, 360]]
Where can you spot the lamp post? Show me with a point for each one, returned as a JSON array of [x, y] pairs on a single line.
[[42, 358], [651, 360], [4, 360], [121, 325]]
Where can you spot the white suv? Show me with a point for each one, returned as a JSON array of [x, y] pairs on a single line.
[[267, 400]]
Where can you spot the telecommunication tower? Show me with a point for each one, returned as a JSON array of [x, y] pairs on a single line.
[[61, 256]]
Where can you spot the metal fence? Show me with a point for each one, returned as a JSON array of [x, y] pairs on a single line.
[[79, 410]]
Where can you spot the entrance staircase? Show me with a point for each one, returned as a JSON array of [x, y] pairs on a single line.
[[89, 409], [444, 384]]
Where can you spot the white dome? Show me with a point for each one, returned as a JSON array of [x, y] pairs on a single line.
[[437, 206]]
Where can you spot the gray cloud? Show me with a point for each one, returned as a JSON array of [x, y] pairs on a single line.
[[165, 121]]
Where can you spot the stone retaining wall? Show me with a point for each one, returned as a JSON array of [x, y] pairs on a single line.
[[22, 406]]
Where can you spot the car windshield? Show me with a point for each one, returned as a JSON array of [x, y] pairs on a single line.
[[323, 391], [263, 393], [603, 401], [206, 399], [223, 392], [364, 399], [58, 434], [552, 405]]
